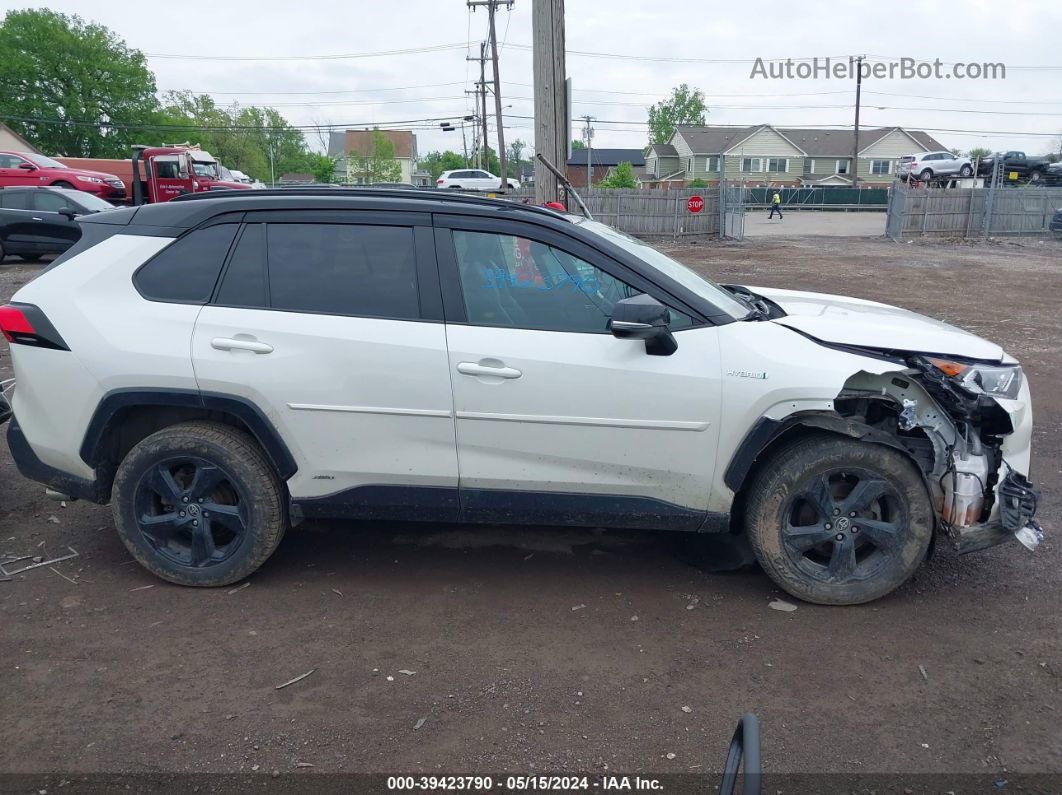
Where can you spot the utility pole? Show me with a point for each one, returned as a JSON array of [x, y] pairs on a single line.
[[492, 7], [588, 134], [552, 125], [855, 144], [482, 159]]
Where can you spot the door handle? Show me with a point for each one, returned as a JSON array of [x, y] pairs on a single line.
[[229, 344], [471, 368], [35, 218]]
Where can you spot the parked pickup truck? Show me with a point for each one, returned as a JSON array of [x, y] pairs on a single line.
[[1028, 169]]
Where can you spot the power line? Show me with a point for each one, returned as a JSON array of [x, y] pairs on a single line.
[[335, 57]]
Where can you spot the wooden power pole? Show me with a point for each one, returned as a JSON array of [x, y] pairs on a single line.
[[551, 102], [855, 140], [492, 7]]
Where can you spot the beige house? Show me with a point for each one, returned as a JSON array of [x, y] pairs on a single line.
[[348, 145], [782, 156], [11, 141]]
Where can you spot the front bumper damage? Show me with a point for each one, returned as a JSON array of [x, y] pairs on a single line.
[[973, 449]]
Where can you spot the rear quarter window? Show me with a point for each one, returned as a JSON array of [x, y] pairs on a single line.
[[187, 270]]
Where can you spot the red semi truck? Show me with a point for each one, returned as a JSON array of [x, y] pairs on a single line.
[[160, 173]]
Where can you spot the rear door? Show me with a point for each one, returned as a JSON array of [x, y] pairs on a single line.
[[330, 323], [17, 224]]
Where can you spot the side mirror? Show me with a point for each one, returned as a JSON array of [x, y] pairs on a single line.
[[27, 166], [69, 213], [643, 318]]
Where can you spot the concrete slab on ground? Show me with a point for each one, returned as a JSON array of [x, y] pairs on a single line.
[[809, 223]]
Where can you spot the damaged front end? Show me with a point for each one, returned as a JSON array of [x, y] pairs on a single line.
[[968, 426]]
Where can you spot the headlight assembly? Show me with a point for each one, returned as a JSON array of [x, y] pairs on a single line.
[[1002, 381], [94, 180]]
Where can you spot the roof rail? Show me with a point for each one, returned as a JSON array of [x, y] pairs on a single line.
[[425, 194]]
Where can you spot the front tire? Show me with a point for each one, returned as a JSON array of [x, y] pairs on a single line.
[[926, 175], [836, 521], [966, 171], [199, 504]]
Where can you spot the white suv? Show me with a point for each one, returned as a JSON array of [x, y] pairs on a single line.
[[472, 179], [223, 365], [928, 165]]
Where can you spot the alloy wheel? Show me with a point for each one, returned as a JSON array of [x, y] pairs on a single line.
[[844, 525], [191, 511]]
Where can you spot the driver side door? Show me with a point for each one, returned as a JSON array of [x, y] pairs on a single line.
[[557, 420]]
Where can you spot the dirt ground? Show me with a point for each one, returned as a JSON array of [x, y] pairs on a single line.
[[551, 650]]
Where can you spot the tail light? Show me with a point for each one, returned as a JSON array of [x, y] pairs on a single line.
[[26, 324], [439, 181]]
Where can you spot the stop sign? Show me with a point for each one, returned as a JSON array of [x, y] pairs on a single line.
[[694, 204]]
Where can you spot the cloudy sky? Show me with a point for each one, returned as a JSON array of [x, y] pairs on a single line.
[[622, 56]]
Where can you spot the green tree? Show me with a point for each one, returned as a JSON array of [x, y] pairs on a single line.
[[697, 183], [379, 165], [436, 163], [622, 176], [514, 160], [577, 144], [684, 106], [71, 86], [321, 166]]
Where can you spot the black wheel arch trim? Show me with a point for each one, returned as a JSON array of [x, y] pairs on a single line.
[[765, 431], [246, 411]]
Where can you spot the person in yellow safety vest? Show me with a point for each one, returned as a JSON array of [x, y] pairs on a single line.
[[776, 206]]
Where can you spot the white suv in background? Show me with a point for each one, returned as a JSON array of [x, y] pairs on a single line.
[[223, 365], [927, 165], [472, 179]]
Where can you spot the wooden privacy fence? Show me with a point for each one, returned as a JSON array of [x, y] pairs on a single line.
[[971, 212]]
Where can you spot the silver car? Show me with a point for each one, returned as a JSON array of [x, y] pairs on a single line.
[[927, 165]]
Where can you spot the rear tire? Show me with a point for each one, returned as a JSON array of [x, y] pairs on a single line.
[[836, 521], [926, 175], [966, 171], [199, 504]]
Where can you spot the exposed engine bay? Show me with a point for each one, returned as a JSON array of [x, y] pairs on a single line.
[[945, 414]]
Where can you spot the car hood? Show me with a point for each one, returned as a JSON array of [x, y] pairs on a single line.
[[853, 321]]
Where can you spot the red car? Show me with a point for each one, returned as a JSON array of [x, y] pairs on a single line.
[[22, 169]]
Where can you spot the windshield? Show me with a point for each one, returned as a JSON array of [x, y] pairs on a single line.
[[209, 170], [42, 161], [709, 290], [90, 202]]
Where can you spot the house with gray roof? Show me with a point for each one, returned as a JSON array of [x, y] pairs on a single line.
[[602, 161], [777, 156]]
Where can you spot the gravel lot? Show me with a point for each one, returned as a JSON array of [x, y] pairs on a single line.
[[539, 651]]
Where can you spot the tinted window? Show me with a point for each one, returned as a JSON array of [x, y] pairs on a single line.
[[343, 269], [90, 202], [10, 161], [244, 283], [513, 281], [49, 202], [188, 268], [14, 200]]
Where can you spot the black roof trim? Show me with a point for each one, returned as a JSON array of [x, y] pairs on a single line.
[[192, 209]]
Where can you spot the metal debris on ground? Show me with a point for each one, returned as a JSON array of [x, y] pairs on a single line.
[[337, 592], [68, 579], [296, 679], [407, 672], [785, 607], [231, 591], [303, 764], [922, 670], [577, 607], [142, 588], [687, 709], [420, 722], [37, 563]]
